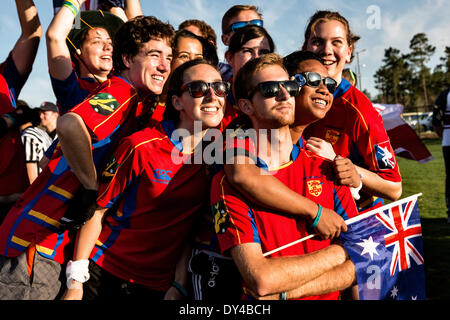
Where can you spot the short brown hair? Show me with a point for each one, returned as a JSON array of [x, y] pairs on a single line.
[[244, 78], [134, 34], [234, 11], [325, 16], [207, 31]]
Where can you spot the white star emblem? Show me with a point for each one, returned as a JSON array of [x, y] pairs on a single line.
[[394, 292], [369, 247]]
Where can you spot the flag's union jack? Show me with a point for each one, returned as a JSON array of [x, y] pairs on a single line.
[[386, 247], [400, 235]]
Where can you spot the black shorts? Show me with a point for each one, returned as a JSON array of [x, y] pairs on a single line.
[[214, 278]]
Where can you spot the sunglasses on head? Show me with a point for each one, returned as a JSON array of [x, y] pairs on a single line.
[[241, 24], [271, 89], [313, 79], [198, 89]]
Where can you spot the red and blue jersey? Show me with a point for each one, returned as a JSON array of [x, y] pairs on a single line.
[[109, 114], [356, 131], [238, 221], [155, 191], [13, 174], [72, 91]]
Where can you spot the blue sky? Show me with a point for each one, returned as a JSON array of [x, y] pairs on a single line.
[[380, 23]]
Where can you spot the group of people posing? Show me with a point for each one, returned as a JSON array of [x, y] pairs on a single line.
[[128, 207]]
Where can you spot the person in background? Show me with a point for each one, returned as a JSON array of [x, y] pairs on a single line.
[[350, 76], [247, 43], [201, 29], [14, 72], [186, 46], [236, 17], [441, 124], [38, 137]]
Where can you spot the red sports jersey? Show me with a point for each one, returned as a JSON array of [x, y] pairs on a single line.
[[232, 111], [108, 115], [73, 90], [159, 112], [356, 131], [239, 221], [155, 200], [13, 174]]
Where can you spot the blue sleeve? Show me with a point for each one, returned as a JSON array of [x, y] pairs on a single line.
[[14, 79], [68, 92]]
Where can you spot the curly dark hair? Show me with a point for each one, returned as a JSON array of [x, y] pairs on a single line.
[[135, 33]]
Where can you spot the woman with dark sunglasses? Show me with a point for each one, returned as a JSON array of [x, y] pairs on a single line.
[[354, 128], [246, 44], [150, 195]]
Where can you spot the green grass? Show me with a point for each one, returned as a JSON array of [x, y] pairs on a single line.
[[429, 179]]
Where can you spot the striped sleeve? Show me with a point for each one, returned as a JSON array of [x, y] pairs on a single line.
[[35, 143], [233, 218]]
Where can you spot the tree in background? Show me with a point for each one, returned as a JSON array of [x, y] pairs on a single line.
[[421, 53], [405, 78]]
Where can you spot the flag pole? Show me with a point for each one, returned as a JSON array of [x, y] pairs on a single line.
[[348, 222]]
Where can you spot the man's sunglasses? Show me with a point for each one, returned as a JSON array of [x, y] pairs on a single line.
[[198, 89], [241, 24], [313, 79], [271, 89]]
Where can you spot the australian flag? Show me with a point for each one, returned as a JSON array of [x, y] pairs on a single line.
[[386, 247]]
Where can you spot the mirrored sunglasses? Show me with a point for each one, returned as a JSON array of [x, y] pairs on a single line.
[[241, 24], [313, 79]]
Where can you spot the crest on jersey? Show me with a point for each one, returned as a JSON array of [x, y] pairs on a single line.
[[314, 187], [221, 217], [385, 156], [332, 136], [110, 170], [104, 103]]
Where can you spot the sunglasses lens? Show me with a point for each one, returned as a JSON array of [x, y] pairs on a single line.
[[291, 87], [220, 88], [331, 84], [242, 24], [238, 25], [314, 79], [197, 89], [256, 22], [269, 89]]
